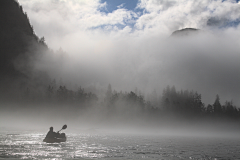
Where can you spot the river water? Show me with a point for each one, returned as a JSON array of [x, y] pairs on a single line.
[[29, 145]]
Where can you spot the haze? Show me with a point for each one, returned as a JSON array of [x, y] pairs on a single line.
[[130, 49], [133, 48]]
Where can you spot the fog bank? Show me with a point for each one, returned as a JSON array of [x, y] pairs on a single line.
[[129, 49]]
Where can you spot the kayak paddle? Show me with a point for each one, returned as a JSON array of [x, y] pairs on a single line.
[[64, 127]]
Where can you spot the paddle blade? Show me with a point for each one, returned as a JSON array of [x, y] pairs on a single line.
[[64, 127]]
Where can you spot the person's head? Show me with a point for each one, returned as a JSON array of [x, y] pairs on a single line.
[[51, 128]]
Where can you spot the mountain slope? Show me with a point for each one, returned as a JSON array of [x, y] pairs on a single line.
[[16, 35], [19, 46]]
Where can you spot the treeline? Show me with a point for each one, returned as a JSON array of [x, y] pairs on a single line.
[[189, 103], [180, 103], [54, 94], [185, 103]]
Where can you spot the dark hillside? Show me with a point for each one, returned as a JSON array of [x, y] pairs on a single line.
[[18, 46], [15, 35]]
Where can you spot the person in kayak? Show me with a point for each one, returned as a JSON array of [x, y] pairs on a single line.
[[51, 134], [53, 137]]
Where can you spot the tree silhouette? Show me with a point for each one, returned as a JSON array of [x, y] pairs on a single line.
[[217, 105], [109, 92], [49, 93], [62, 94], [209, 109]]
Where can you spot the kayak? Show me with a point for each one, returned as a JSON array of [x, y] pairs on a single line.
[[54, 140], [60, 138]]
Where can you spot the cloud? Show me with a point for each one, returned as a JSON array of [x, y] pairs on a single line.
[[129, 49], [62, 16], [173, 15]]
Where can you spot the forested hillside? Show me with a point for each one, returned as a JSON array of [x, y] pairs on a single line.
[[19, 48]]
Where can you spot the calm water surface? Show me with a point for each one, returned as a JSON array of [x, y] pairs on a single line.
[[29, 145]]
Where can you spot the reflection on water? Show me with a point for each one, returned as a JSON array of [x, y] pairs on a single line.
[[84, 146]]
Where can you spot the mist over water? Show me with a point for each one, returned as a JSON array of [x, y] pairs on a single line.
[[99, 121], [123, 83], [197, 62]]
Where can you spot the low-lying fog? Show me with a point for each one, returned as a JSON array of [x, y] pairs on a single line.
[[97, 51], [95, 121]]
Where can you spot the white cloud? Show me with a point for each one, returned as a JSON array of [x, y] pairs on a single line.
[[99, 51], [178, 14], [161, 17]]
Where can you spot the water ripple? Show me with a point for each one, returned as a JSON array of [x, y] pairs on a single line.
[[83, 146]]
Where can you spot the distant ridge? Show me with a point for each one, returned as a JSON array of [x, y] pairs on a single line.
[[185, 32]]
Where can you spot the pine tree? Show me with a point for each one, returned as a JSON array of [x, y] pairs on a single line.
[[217, 105]]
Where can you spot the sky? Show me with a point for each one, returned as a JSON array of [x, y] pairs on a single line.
[[113, 5], [128, 44]]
